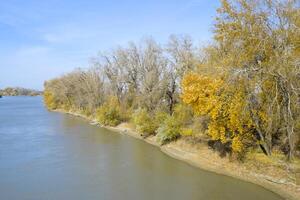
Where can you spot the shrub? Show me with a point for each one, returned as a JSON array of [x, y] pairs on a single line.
[[144, 123], [49, 100], [174, 126], [109, 113], [169, 130], [160, 117], [147, 124]]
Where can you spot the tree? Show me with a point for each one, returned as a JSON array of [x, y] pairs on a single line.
[[256, 51], [181, 58]]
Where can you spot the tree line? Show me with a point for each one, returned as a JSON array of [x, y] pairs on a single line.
[[242, 91], [18, 91]]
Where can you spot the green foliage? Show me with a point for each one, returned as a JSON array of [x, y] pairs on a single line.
[[109, 113], [174, 126], [169, 130], [160, 117], [145, 123]]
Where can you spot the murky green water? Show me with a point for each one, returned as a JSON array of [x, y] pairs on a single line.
[[52, 156]]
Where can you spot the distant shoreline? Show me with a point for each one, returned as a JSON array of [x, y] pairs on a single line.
[[41, 95], [19, 91]]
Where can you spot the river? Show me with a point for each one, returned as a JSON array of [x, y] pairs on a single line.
[[52, 156]]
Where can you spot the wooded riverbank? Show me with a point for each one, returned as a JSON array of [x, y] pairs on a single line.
[[242, 91], [235, 101], [50, 155], [199, 155]]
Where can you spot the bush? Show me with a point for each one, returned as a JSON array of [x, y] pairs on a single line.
[[143, 121], [160, 117], [49, 100], [147, 124], [169, 130], [167, 127], [174, 126], [109, 113]]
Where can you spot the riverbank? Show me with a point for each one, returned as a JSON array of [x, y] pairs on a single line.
[[18, 91], [269, 173]]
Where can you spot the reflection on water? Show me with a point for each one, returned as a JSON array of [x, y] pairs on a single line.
[[47, 155]]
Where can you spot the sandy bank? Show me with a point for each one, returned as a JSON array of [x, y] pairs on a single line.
[[278, 180]]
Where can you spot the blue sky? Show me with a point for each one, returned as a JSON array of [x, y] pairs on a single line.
[[42, 39]]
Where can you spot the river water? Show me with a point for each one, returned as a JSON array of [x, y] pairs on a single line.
[[52, 156]]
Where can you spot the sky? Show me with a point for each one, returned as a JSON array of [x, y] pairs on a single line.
[[43, 39]]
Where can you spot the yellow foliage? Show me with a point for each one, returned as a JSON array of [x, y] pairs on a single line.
[[49, 100], [186, 132], [199, 92], [236, 145], [109, 112], [226, 106]]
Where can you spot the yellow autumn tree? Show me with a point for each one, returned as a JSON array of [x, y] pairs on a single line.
[[224, 104], [49, 100], [256, 50]]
